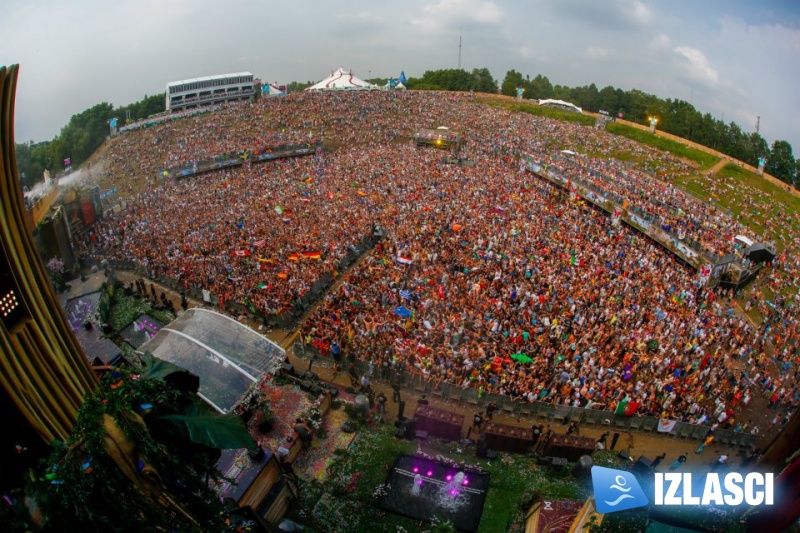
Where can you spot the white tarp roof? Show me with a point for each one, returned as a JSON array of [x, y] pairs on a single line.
[[550, 101], [226, 355], [744, 239], [341, 79]]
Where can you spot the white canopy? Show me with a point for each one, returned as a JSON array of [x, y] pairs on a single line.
[[562, 104], [341, 80], [745, 240]]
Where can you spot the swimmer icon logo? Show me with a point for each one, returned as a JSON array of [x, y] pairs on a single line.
[[616, 490]]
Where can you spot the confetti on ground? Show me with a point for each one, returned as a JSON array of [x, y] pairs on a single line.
[[313, 464]]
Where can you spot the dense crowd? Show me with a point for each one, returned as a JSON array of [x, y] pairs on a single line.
[[482, 263]]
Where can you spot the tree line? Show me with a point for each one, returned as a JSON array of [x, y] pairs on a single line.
[[83, 134], [86, 131]]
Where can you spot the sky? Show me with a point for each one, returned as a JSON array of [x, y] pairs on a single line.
[[735, 59]]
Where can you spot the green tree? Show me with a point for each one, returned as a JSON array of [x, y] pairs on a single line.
[[297, 86], [448, 79], [797, 172], [781, 162], [541, 89], [512, 80], [608, 100], [483, 82]]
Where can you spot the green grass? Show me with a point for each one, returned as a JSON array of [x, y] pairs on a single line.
[[704, 159], [516, 481], [735, 185], [539, 111]]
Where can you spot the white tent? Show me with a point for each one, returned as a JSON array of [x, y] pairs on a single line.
[[561, 104], [341, 80]]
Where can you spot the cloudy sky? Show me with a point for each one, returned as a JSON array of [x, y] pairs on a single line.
[[736, 59]]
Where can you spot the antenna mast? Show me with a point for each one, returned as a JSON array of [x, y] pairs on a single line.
[[459, 48]]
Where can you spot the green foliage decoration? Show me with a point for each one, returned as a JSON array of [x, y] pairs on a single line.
[[82, 487]]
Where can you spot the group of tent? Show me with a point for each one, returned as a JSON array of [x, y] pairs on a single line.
[[346, 80], [340, 80]]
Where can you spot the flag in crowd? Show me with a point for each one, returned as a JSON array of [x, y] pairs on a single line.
[[241, 253], [666, 426], [259, 244], [403, 260]]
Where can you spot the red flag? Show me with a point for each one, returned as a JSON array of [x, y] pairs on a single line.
[[241, 253], [293, 257]]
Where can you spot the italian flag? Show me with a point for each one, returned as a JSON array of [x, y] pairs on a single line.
[[621, 407]]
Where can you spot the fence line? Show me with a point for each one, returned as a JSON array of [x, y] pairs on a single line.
[[450, 393]]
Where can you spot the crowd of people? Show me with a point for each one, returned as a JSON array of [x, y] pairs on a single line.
[[487, 278]]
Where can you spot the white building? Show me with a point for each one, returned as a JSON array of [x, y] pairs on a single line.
[[209, 90]]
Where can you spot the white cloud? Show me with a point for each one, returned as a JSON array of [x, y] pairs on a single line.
[[362, 16], [606, 15], [481, 11], [457, 12], [597, 52], [695, 65], [660, 42], [534, 54], [640, 13]]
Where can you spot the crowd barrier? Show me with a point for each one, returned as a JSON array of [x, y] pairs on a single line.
[[651, 225], [277, 320], [235, 159], [521, 409]]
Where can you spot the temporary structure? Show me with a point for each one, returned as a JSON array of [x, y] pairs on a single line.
[[341, 80]]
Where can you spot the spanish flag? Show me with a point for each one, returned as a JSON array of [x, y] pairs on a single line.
[[311, 255], [361, 193], [283, 275]]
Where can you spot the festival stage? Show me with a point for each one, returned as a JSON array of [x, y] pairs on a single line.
[[424, 489]]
